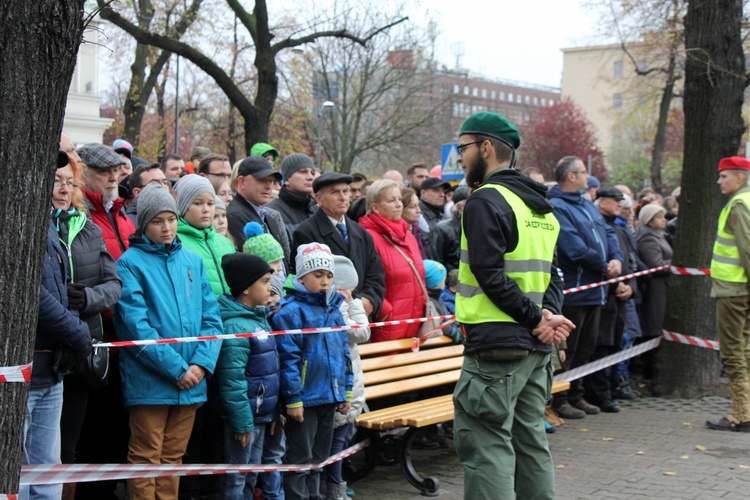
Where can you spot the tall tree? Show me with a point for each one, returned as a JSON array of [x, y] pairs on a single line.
[[715, 81], [38, 49], [142, 84], [557, 131], [256, 113]]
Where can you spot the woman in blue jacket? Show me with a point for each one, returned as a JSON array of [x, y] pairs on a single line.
[[165, 294]]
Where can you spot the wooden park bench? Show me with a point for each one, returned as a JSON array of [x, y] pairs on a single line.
[[391, 368]]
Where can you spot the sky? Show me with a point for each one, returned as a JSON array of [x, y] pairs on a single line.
[[516, 40]]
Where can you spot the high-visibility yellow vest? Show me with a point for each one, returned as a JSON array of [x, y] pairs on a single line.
[[529, 265], [725, 263]]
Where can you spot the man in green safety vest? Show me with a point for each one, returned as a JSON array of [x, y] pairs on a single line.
[[508, 302], [730, 267]]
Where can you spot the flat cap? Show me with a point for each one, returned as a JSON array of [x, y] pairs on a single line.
[[99, 156], [610, 192], [329, 179], [493, 125]]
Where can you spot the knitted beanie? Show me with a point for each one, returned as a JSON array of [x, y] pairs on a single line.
[[241, 270], [261, 243], [190, 187], [295, 162], [220, 205], [434, 273], [346, 277], [277, 286], [314, 257], [153, 200], [648, 212]]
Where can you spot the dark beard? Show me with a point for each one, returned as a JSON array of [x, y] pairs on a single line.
[[475, 174]]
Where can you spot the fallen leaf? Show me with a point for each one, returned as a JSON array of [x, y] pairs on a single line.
[[744, 466], [670, 473], [685, 457], [700, 448], [687, 424], [639, 453], [608, 439], [583, 430], [559, 466]]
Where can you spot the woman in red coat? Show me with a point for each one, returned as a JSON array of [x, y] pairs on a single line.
[[404, 298]]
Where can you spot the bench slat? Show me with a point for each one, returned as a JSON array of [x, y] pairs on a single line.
[[381, 362], [375, 348], [413, 370], [414, 384]]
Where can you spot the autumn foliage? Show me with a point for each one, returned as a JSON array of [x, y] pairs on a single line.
[[557, 131]]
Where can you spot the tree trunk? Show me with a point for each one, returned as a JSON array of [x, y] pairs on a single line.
[[714, 86], [38, 50], [657, 155], [140, 90]]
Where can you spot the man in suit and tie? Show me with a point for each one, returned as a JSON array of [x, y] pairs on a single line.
[[331, 226]]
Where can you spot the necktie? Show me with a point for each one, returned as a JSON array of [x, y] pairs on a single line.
[[262, 215], [342, 230]]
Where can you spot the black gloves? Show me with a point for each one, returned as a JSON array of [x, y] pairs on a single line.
[[76, 296]]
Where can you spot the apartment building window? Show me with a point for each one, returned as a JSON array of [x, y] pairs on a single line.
[[518, 98], [510, 96], [527, 100], [466, 90], [544, 101], [475, 92], [536, 101], [456, 89], [455, 109], [618, 69], [641, 65], [492, 94], [617, 101], [484, 93], [502, 96]]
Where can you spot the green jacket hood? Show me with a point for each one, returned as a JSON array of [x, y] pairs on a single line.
[[232, 309]]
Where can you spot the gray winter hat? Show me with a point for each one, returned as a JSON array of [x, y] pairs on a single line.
[[219, 203], [295, 162], [345, 276], [188, 188], [153, 200]]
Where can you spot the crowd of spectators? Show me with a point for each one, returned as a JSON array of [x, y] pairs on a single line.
[[197, 246]]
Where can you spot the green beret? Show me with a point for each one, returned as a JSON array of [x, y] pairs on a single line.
[[493, 125]]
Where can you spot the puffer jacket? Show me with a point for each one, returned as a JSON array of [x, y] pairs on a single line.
[[354, 314], [316, 368], [90, 264], [404, 298], [248, 369], [446, 239], [165, 294], [211, 247], [56, 326], [116, 226], [294, 208], [585, 246]]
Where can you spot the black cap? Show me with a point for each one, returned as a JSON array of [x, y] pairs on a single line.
[[460, 194], [609, 192], [329, 179], [258, 167], [435, 183], [241, 270], [62, 159], [124, 151]]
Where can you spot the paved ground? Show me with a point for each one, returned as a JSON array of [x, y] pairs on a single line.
[[649, 450]]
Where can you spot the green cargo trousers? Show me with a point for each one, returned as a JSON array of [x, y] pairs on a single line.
[[733, 325], [499, 429]]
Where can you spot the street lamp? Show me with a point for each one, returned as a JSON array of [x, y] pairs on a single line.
[[325, 104]]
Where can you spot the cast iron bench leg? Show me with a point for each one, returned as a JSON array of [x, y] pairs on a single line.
[[429, 486]]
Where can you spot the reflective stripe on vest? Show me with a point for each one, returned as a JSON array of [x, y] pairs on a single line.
[[725, 263], [529, 264]]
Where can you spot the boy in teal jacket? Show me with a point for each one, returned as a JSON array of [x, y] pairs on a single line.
[[165, 294], [248, 374]]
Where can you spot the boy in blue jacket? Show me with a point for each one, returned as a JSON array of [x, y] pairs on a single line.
[[316, 370], [247, 372], [165, 294]]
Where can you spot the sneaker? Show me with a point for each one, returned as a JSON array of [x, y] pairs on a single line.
[[567, 411], [724, 424], [549, 428], [423, 442], [625, 393], [586, 407]]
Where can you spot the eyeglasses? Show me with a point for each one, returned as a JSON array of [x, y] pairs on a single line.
[[70, 184], [223, 176], [462, 148]]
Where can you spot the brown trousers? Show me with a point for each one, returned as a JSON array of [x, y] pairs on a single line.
[[158, 435]]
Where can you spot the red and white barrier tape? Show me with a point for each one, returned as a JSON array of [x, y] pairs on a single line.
[[613, 280], [690, 271], [12, 496], [20, 373], [80, 473], [690, 340], [131, 343], [610, 360]]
